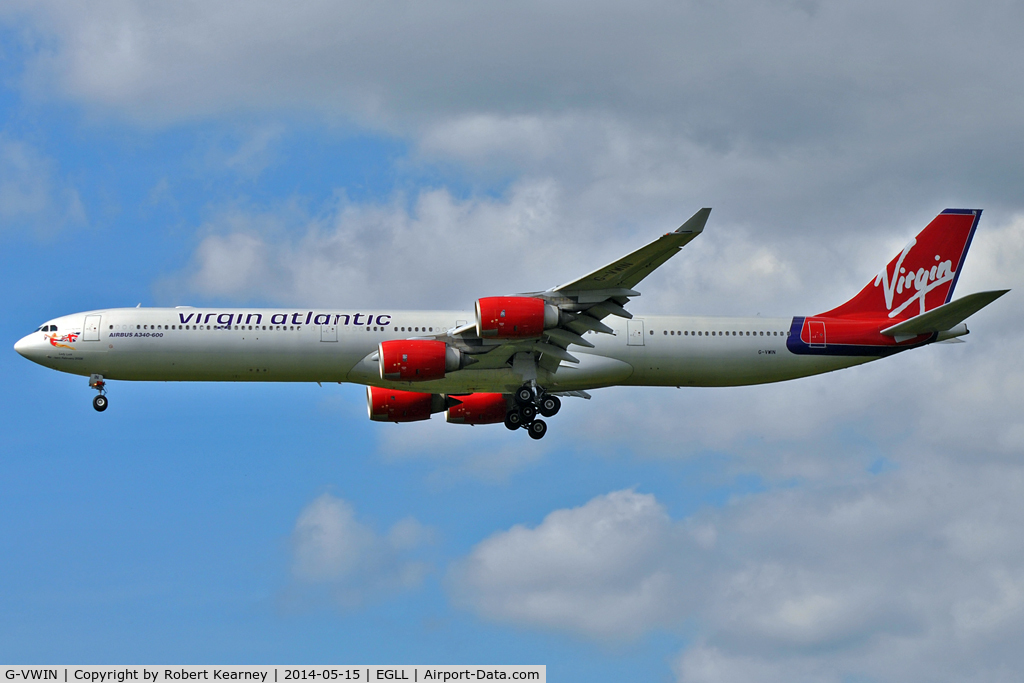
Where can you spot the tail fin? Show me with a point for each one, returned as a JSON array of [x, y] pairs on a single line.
[[922, 276]]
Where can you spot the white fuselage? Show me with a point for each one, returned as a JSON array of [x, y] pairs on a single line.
[[285, 345]]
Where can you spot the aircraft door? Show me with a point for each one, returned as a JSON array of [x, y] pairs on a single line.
[[634, 333], [817, 330], [91, 331], [328, 333]]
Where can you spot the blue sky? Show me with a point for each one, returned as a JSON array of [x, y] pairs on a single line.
[[857, 526]]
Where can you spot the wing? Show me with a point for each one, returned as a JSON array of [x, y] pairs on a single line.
[[583, 303], [629, 270]]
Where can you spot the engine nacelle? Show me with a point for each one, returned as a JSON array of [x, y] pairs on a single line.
[[514, 317], [392, 405], [478, 409], [417, 360]]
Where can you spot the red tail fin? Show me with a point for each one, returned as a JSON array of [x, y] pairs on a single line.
[[922, 276]]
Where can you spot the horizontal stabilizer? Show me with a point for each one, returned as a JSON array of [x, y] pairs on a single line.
[[945, 316]]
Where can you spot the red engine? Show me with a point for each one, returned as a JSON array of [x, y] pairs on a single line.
[[478, 409], [417, 360], [513, 317], [392, 405]]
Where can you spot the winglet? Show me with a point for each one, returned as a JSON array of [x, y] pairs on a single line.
[[696, 223]]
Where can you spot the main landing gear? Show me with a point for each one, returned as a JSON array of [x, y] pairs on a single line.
[[100, 401], [529, 402]]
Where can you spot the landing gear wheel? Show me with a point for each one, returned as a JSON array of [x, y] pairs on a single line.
[[524, 395], [549, 405], [100, 403], [513, 420], [528, 412], [537, 429]]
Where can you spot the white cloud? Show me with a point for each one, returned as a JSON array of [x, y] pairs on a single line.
[[606, 569], [913, 575], [387, 254], [845, 116], [882, 579], [460, 452], [332, 549], [31, 194], [701, 61]]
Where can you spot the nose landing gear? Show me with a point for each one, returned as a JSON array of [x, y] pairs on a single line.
[[528, 402], [100, 401]]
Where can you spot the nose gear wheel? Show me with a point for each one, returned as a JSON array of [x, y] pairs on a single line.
[[100, 402]]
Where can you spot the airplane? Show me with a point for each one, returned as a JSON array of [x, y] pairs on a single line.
[[515, 357]]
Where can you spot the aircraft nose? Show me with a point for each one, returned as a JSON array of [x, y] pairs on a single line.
[[25, 346]]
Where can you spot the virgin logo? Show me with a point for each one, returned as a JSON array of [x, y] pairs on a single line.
[[920, 281]]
